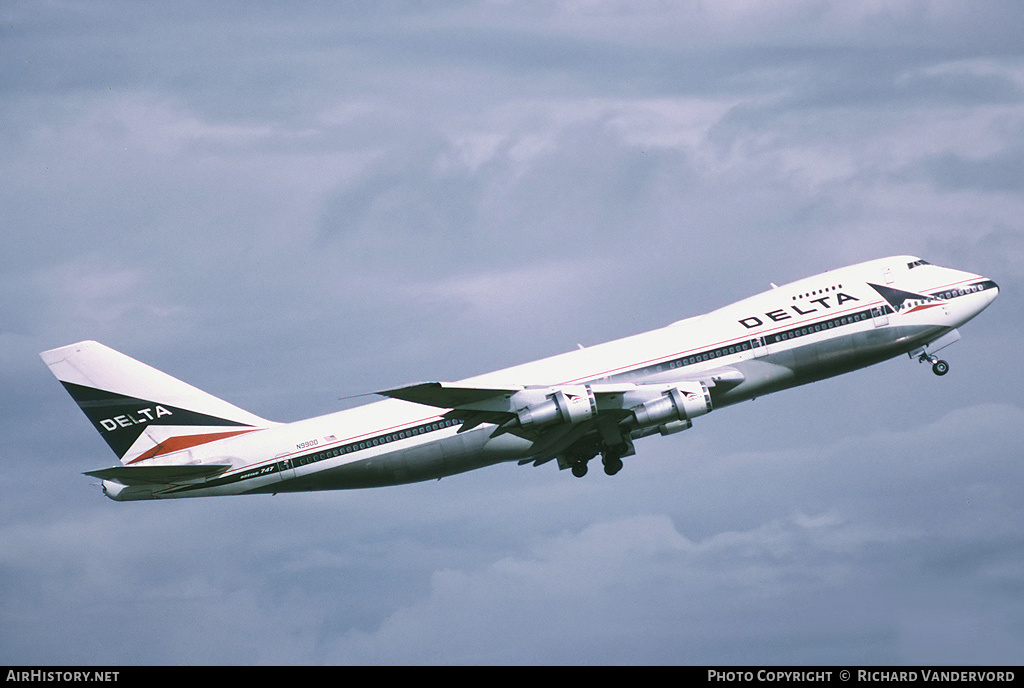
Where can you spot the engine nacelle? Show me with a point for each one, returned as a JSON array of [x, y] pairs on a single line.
[[570, 405], [680, 403]]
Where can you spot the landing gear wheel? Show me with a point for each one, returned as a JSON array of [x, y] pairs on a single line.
[[612, 464], [579, 469], [611, 457], [940, 367]]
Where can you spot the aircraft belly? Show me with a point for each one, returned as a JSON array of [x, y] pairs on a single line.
[[819, 360], [434, 460], [761, 376]]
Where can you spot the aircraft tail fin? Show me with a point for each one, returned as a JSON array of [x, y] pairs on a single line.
[[141, 412]]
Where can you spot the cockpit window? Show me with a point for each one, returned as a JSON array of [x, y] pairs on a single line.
[[911, 266]]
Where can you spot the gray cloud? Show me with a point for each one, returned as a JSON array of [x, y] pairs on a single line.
[[846, 552]]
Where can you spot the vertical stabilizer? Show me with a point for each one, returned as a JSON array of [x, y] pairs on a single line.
[[143, 413]]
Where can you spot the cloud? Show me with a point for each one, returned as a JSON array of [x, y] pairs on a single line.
[[859, 578]]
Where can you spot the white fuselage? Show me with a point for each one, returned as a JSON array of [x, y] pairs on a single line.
[[811, 329]]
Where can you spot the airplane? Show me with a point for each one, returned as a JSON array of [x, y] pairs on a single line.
[[174, 440]]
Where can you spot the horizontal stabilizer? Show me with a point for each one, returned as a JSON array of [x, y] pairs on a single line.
[[445, 395], [158, 475]]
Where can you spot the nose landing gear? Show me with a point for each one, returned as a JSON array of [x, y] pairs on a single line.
[[939, 367]]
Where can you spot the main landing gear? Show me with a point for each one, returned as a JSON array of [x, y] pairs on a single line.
[[611, 459], [612, 462], [611, 441]]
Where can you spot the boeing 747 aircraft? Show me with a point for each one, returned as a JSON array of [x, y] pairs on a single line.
[[174, 440]]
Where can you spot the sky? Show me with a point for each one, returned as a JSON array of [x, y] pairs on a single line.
[[289, 204]]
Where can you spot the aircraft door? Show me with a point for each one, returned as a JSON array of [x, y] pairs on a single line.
[[758, 347], [285, 466]]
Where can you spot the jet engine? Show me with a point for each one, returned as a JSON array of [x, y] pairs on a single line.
[[565, 405], [679, 403]]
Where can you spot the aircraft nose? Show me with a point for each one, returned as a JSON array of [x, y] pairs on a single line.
[[991, 292]]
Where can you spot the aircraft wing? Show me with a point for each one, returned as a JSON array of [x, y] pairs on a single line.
[[509, 399], [558, 416], [158, 475], [445, 394]]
